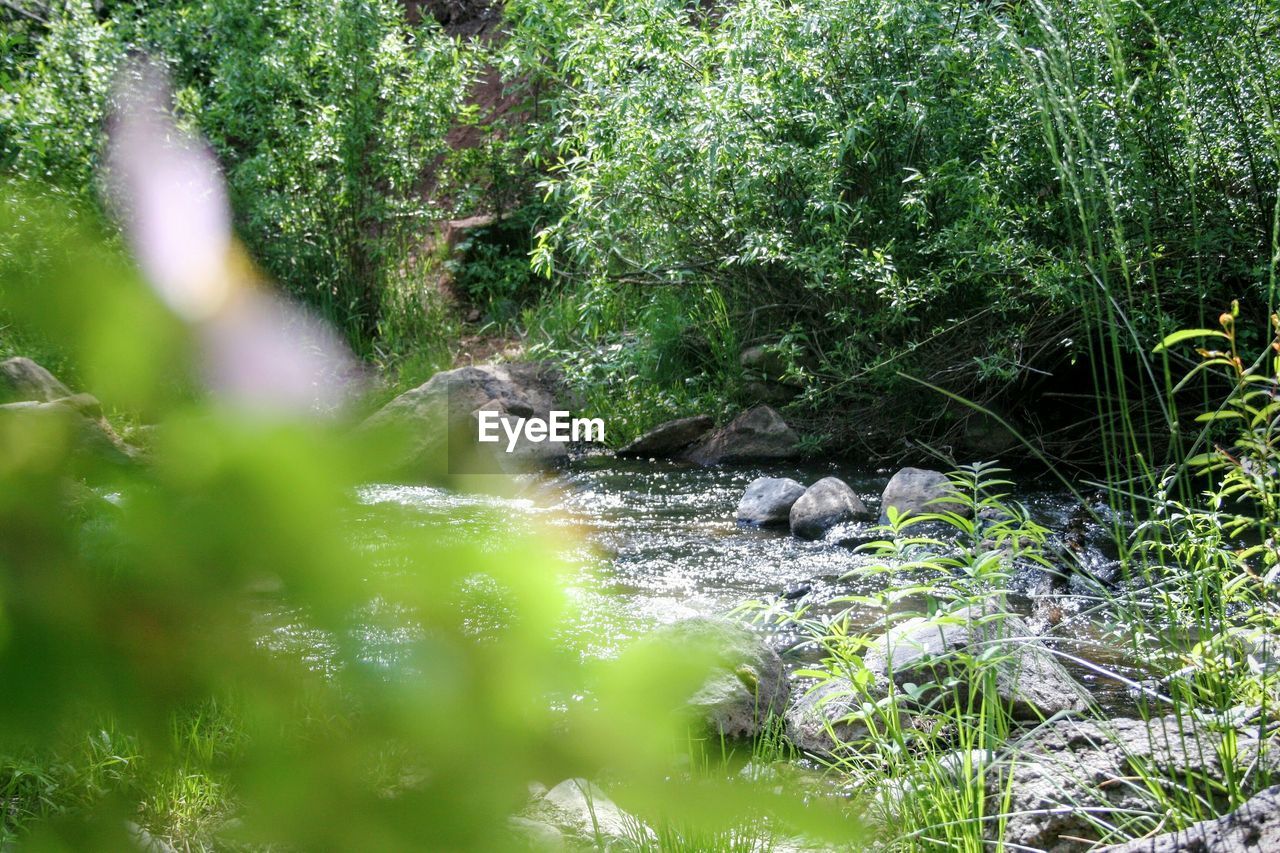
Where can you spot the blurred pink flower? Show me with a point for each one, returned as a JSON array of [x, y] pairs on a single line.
[[259, 351]]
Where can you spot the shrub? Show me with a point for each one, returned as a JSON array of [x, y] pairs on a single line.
[[974, 195], [326, 118]]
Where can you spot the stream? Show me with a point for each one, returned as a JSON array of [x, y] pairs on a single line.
[[652, 542]]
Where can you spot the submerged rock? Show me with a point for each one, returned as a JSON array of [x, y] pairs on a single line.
[[931, 651], [914, 491], [825, 504], [22, 379], [669, 438], [1255, 826], [747, 683], [758, 434], [768, 500]]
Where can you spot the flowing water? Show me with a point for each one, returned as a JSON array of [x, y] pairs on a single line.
[[653, 542]]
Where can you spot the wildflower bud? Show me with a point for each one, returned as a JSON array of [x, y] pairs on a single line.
[[1225, 320]]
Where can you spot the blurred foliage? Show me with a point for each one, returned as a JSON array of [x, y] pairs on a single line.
[[326, 118], [212, 612]]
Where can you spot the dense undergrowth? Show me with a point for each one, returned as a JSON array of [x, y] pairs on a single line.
[[977, 196]]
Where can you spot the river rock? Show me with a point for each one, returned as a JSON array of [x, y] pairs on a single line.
[[757, 435], [763, 361], [580, 807], [1252, 828], [22, 379], [928, 651], [825, 504], [768, 501], [747, 683], [817, 722], [436, 423], [1062, 769], [765, 373], [669, 438], [529, 834], [913, 490], [89, 432]]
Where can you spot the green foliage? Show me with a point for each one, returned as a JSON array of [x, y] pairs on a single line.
[[326, 119], [55, 98], [1214, 558], [669, 353], [491, 269], [969, 194]]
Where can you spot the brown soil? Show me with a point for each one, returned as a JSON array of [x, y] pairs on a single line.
[[497, 104]]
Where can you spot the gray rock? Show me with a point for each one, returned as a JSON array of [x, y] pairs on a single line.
[[583, 809], [1062, 774], [22, 379], [434, 425], [145, 842], [817, 722], [747, 683], [669, 438], [758, 434], [530, 834], [825, 504], [768, 500], [764, 361], [79, 419], [1028, 677], [772, 362], [914, 490], [1252, 828]]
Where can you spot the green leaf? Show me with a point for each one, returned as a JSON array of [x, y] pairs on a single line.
[[1186, 335]]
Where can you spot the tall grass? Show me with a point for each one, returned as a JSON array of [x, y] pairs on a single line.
[[1187, 129], [938, 756]]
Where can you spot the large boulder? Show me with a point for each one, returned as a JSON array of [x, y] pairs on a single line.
[[669, 438], [768, 501], [1252, 828], [437, 423], [747, 683], [918, 490], [928, 652], [819, 721], [825, 504], [757, 435], [22, 379]]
